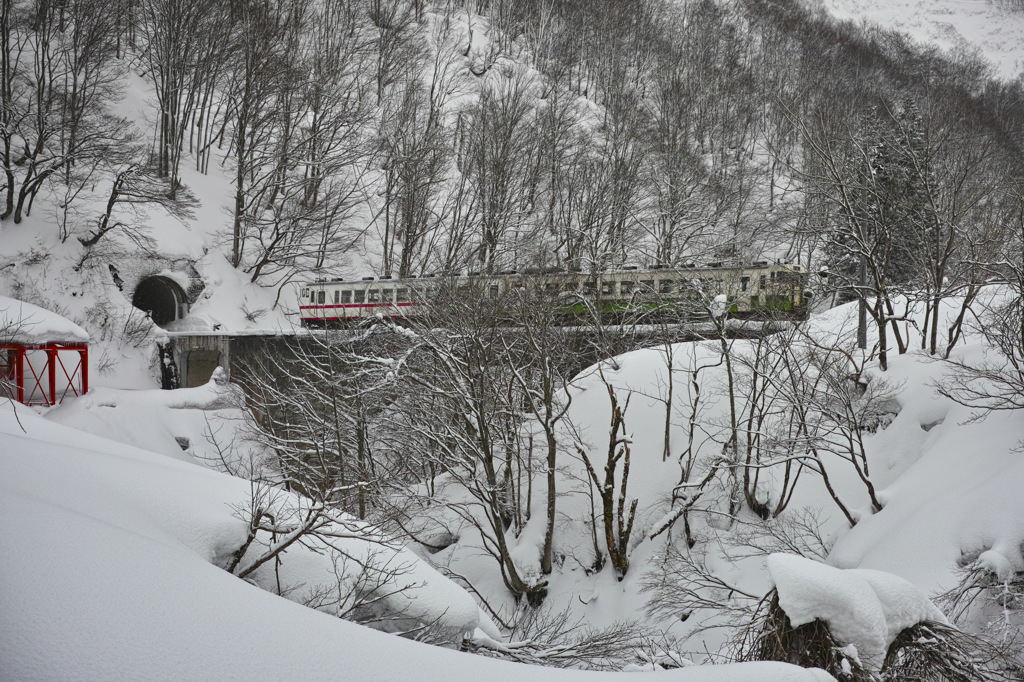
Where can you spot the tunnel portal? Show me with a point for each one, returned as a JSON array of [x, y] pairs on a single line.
[[161, 297]]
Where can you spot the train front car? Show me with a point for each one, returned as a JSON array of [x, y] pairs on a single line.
[[338, 303], [312, 298]]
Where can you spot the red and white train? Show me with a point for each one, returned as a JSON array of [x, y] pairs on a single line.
[[757, 289]]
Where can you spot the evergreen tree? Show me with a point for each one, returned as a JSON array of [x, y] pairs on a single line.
[[873, 252], [883, 221]]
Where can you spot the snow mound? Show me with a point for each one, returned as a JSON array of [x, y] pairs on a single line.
[[28, 324], [862, 607]]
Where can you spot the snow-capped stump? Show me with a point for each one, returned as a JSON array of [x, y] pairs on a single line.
[[858, 624]]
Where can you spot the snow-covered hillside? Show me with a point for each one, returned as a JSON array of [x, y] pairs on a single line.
[[113, 553], [985, 27], [108, 574]]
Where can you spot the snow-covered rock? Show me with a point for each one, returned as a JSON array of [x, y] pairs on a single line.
[[862, 607]]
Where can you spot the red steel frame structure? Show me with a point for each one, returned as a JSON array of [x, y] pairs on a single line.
[[20, 369]]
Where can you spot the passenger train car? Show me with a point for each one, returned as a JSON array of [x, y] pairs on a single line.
[[759, 290]]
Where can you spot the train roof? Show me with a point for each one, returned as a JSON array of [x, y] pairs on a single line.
[[626, 270]]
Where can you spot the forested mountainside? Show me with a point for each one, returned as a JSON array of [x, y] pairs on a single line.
[[401, 138], [500, 476]]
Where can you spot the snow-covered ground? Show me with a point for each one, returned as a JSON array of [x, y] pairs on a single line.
[[947, 483], [108, 573], [115, 536], [985, 26]]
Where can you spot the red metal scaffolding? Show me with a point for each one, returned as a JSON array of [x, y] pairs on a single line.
[[43, 374]]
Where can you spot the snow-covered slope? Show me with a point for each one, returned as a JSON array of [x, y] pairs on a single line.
[[109, 550], [985, 26], [958, 489], [106, 564]]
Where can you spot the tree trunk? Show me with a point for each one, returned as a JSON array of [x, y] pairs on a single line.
[[549, 532]]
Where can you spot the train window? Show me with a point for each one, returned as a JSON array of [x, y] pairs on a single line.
[[647, 285], [666, 286], [763, 283], [346, 297], [744, 283], [358, 296], [590, 287], [492, 291], [336, 293], [627, 287], [773, 275], [374, 296], [402, 295]]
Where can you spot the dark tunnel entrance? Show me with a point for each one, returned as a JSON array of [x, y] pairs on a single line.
[[161, 298]]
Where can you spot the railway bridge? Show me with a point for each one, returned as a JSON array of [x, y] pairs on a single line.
[[189, 358]]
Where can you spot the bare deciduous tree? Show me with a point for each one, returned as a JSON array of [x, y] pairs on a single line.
[[58, 79], [617, 522], [184, 56]]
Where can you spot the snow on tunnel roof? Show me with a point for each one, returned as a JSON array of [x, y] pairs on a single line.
[[28, 324]]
